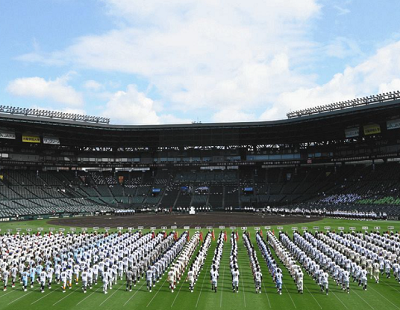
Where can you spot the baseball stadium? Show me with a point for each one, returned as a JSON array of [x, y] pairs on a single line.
[[290, 214]]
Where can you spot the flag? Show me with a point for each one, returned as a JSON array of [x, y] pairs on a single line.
[[165, 234], [261, 233], [201, 236], [153, 235], [237, 236], [188, 236], [213, 235], [225, 237], [176, 235], [249, 234], [273, 232]]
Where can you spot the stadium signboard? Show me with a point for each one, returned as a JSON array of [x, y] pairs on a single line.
[[186, 227], [393, 124], [209, 227], [30, 139], [372, 129], [304, 228], [267, 227], [280, 227], [390, 227], [51, 140], [316, 227], [352, 132], [365, 227], [295, 228], [5, 134], [221, 227], [377, 228], [164, 227]]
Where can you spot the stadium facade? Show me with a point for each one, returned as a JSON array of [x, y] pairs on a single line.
[[344, 157]]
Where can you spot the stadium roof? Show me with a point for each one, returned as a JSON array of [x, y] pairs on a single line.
[[311, 128]]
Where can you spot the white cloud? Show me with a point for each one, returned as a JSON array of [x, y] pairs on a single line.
[[203, 54], [232, 115], [131, 107], [172, 119], [57, 91], [93, 85], [379, 73], [134, 107]]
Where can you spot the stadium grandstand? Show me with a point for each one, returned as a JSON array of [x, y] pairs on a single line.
[[335, 160]]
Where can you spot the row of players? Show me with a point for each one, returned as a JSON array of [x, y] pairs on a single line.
[[88, 257]]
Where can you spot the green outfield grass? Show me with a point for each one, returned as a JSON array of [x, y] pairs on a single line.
[[385, 295]]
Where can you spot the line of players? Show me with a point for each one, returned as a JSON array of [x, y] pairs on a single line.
[[214, 270], [310, 258], [179, 266], [273, 267], [233, 263], [391, 243], [254, 264], [161, 264], [339, 263], [286, 259], [198, 262], [358, 265], [69, 258], [377, 259]]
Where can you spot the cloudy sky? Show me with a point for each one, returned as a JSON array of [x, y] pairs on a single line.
[[178, 61]]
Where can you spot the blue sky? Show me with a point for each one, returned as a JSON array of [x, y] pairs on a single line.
[[178, 61]]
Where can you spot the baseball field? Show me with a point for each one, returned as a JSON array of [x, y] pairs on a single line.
[[385, 295]]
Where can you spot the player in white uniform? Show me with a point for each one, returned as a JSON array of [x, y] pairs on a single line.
[[346, 281], [84, 277], [171, 278], [149, 279], [363, 278], [5, 274], [105, 280], [24, 277], [50, 272], [258, 280], [190, 279], [375, 267], [76, 273], [63, 278], [214, 278], [299, 280], [43, 278], [324, 282], [278, 281], [235, 280], [14, 273]]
